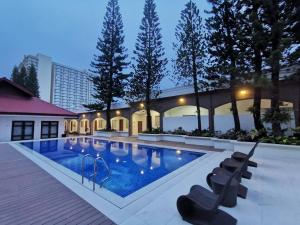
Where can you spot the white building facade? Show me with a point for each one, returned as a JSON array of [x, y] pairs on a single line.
[[61, 85]]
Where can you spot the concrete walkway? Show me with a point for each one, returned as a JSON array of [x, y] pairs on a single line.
[[29, 195]]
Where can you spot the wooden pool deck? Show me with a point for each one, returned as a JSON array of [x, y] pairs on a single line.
[[29, 195]]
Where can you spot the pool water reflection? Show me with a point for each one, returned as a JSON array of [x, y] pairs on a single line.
[[132, 166]]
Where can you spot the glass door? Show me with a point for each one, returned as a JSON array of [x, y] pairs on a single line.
[[49, 129], [22, 130]]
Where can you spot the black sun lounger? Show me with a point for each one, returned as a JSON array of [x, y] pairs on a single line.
[[242, 190], [232, 164], [200, 206], [240, 156]]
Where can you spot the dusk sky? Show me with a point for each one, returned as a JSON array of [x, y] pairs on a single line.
[[67, 30]]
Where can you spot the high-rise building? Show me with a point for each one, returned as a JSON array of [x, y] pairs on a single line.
[[61, 85]]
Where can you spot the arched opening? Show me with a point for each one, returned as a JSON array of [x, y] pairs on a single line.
[[73, 126], [98, 124], [120, 123], [224, 119], [139, 121], [84, 126], [185, 117]]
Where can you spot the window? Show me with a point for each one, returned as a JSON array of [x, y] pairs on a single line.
[[22, 130], [49, 129]]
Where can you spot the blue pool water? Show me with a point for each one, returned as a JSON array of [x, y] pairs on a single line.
[[132, 166]]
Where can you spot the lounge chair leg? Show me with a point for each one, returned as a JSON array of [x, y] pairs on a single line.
[[242, 193], [252, 164], [246, 175]]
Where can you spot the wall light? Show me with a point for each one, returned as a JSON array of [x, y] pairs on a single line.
[[118, 113], [142, 105], [243, 92], [181, 100], [83, 115], [98, 114]]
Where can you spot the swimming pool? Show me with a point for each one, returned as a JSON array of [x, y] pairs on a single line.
[[133, 166]]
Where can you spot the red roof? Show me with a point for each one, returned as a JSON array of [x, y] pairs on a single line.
[[17, 100]]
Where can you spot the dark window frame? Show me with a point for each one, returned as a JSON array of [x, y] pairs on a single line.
[[23, 126], [49, 125]]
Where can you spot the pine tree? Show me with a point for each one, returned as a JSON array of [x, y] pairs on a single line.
[[226, 47], [255, 34], [190, 51], [15, 74], [277, 15], [150, 65], [110, 62], [21, 78], [31, 82]]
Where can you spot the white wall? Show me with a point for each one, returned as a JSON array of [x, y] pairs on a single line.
[[142, 117], [6, 125], [188, 123], [115, 124]]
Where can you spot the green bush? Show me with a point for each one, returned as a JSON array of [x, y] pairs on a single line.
[[154, 131], [106, 130], [202, 133], [283, 116], [180, 131], [284, 140]]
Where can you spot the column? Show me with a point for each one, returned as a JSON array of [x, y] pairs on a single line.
[[130, 124], [161, 121], [211, 119]]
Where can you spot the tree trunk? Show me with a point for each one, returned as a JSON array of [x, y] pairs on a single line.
[[258, 72], [235, 112], [275, 65], [148, 110], [149, 118], [108, 124], [257, 91], [257, 108], [196, 90]]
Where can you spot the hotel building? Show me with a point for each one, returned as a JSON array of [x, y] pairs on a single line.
[[61, 85]]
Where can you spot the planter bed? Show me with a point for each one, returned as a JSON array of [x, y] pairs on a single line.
[[226, 144], [204, 141]]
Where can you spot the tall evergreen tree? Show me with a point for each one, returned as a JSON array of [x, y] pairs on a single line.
[[15, 74], [150, 65], [31, 81], [21, 78], [277, 15], [110, 63], [226, 48], [190, 51], [255, 33]]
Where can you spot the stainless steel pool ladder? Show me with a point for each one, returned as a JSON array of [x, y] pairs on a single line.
[[95, 170], [83, 166]]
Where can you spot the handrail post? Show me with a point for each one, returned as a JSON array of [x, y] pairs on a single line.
[[83, 167]]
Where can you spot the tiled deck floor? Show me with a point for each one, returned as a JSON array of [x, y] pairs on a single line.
[[29, 195]]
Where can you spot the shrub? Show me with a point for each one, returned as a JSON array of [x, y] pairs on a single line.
[[232, 134], [154, 131], [180, 131], [202, 133], [284, 140], [297, 132], [106, 130], [283, 116]]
